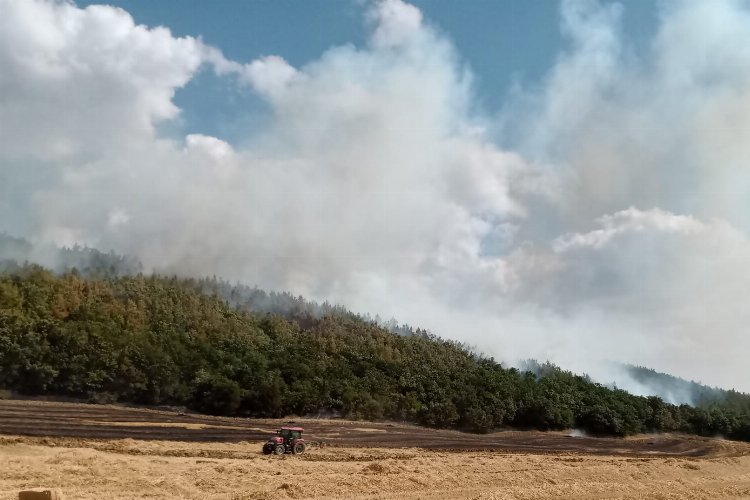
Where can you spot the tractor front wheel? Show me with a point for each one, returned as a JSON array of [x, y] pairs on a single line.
[[279, 450], [299, 448]]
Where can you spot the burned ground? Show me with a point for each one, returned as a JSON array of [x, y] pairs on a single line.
[[92, 452], [104, 422]]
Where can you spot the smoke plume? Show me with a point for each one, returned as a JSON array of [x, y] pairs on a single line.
[[601, 216]]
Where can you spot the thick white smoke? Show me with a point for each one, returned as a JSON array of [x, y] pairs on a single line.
[[611, 225]]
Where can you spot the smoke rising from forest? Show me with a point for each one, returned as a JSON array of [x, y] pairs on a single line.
[[602, 215]]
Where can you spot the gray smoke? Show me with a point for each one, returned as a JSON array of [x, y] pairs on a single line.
[[611, 224]]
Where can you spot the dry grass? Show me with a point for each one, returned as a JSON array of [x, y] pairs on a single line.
[[175, 425], [123, 469]]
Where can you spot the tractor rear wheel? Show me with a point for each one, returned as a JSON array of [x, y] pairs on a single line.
[[299, 449], [279, 450]]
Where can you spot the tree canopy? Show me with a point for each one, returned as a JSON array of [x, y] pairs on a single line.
[[164, 340]]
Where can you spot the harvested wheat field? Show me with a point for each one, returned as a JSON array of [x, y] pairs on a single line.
[[199, 468]]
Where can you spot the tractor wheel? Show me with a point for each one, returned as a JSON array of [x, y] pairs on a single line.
[[299, 449], [279, 450], [267, 450]]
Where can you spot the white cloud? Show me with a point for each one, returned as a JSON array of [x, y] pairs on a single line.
[[367, 169], [374, 184], [214, 148], [396, 23], [269, 75], [78, 81]]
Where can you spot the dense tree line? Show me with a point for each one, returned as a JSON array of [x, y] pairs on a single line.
[[157, 340]]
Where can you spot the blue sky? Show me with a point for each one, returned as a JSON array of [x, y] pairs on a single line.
[[590, 188], [504, 42]]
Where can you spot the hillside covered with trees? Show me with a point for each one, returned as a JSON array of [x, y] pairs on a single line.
[[158, 340]]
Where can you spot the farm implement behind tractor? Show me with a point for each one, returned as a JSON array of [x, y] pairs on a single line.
[[286, 440]]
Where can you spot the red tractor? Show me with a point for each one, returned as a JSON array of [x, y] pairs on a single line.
[[286, 440]]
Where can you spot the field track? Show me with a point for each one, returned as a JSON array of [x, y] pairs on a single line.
[[107, 422]]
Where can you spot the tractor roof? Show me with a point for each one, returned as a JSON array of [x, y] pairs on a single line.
[[300, 429]]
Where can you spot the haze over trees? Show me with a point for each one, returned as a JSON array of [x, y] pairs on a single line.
[[164, 340]]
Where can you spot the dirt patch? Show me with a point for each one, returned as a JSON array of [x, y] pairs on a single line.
[[178, 425], [68, 422], [116, 452]]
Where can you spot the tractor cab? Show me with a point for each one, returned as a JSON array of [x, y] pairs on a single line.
[[290, 433], [286, 440]]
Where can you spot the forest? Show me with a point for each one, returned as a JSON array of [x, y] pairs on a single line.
[[108, 337]]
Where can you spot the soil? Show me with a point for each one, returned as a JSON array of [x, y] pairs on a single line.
[[93, 451], [75, 420]]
